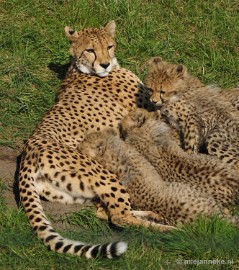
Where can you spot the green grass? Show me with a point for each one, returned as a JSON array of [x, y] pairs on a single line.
[[203, 35], [204, 240]]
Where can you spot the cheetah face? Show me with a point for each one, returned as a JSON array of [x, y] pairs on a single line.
[[93, 49], [95, 144], [164, 79], [140, 120]]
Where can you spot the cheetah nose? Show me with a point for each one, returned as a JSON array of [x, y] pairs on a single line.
[[105, 65]]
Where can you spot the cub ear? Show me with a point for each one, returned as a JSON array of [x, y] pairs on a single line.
[[181, 70], [157, 60], [156, 114], [100, 147], [140, 119], [71, 34], [122, 133], [110, 28]]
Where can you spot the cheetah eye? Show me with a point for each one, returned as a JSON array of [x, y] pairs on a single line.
[[90, 50], [162, 92], [110, 47], [150, 91]]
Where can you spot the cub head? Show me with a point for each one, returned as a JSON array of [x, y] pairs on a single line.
[[165, 80], [93, 49], [135, 120], [95, 144], [148, 126]]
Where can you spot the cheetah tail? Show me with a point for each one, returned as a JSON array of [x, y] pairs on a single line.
[[32, 206]]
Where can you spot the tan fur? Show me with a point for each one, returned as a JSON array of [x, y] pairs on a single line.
[[153, 139], [176, 202], [52, 167], [165, 80], [207, 121], [93, 50], [231, 95]]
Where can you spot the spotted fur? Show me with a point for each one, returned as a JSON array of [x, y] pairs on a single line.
[[52, 167], [153, 138], [231, 95], [177, 202], [208, 122]]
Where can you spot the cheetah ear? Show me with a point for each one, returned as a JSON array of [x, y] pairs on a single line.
[[181, 70], [156, 114], [157, 60], [140, 119], [71, 34], [153, 61], [100, 147], [122, 133], [110, 28]]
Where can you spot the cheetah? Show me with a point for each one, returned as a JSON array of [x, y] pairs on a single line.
[[153, 139], [162, 74], [231, 95], [95, 94], [176, 202], [208, 122]]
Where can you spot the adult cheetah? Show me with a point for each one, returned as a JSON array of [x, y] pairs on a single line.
[[208, 122], [154, 140], [95, 94], [177, 202]]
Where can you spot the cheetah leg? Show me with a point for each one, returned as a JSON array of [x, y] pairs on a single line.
[[76, 175], [122, 215], [191, 134], [38, 163], [187, 123], [53, 194], [83, 178], [147, 215], [101, 213]]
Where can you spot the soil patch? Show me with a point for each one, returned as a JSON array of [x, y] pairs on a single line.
[[9, 164]]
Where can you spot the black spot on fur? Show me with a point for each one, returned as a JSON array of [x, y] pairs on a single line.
[[42, 228], [49, 238], [77, 248], [58, 245], [66, 248], [82, 186], [103, 250], [95, 251]]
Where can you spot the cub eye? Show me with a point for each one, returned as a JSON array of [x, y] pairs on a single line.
[[162, 92], [150, 91], [90, 50], [110, 46]]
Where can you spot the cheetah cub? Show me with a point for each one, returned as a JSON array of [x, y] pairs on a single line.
[[208, 121], [152, 138], [175, 202], [231, 95]]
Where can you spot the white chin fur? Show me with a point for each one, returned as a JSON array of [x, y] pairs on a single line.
[[84, 69], [109, 69], [101, 72], [115, 63]]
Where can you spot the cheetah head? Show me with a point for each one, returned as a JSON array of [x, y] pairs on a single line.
[[95, 144], [135, 120], [165, 80], [93, 49]]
